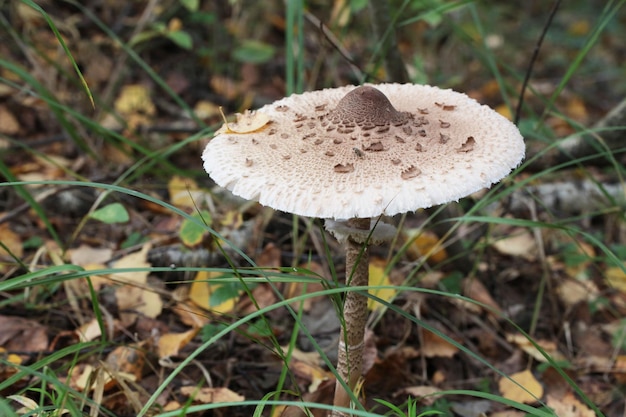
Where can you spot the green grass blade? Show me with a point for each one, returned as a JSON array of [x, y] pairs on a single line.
[[67, 51]]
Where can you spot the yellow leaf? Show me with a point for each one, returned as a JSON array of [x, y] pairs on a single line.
[[576, 108], [579, 28], [14, 359], [9, 359], [152, 305], [133, 260], [247, 122], [174, 25], [171, 343], [528, 391], [505, 111], [184, 192], [135, 98], [616, 278], [232, 219], [379, 278], [201, 290], [425, 243]]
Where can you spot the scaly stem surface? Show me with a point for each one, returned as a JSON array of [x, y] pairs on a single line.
[[351, 338]]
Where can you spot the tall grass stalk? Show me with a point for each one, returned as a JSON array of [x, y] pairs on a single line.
[[294, 47]]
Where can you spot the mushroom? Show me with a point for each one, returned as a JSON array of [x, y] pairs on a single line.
[[351, 154]]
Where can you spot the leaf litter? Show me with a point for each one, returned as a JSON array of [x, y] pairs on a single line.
[[148, 316]]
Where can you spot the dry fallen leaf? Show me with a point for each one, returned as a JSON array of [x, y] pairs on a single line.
[[135, 105], [247, 122], [616, 278], [573, 291], [314, 374], [85, 377], [89, 331], [171, 343], [11, 240], [8, 122], [8, 360], [97, 281], [306, 365], [603, 364], [569, 406], [530, 393], [473, 288], [377, 278], [87, 255], [519, 243], [184, 192], [435, 346], [134, 98], [269, 257], [129, 360], [209, 395], [585, 255], [323, 395], [29, 406], [425, 243], [548, 346], [135, 297], [205, 109], [226, 87], [24, 335], [471, 408], [424, 393], [311, 358], [191, 315]]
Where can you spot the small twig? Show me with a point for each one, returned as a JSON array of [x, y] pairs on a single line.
[[531, 64]]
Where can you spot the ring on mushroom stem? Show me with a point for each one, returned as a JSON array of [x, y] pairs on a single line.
[[416, 146]]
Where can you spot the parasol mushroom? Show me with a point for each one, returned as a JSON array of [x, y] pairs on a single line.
[[351, 154]]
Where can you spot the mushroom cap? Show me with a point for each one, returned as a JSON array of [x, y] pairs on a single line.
[[354, 152]]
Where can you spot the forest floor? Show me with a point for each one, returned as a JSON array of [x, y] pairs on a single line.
[[115, 302]]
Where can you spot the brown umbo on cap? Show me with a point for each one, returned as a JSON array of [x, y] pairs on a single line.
[[355, 152]]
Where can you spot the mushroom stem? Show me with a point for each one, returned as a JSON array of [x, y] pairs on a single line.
[[351, 337]]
